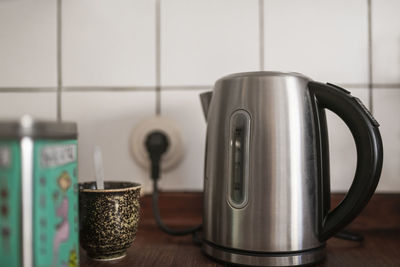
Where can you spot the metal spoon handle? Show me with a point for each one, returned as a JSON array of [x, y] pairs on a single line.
[[98, 167]]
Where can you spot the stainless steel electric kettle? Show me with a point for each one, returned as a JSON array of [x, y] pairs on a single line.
[[266, 181]]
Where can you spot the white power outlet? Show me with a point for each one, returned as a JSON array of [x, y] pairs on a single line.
[[174, 154]]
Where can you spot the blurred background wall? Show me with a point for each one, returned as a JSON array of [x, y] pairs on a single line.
[[121, 60]]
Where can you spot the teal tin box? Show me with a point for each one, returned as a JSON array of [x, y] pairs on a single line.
[[38, 194]]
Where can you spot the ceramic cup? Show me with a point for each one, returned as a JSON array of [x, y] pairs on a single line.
[[108, 218]]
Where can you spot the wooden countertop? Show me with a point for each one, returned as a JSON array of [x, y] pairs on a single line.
[[379, 223]]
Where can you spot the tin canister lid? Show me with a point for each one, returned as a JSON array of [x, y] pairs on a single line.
[[27, 126]]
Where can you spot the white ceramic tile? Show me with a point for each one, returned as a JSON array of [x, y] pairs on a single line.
[[342, 149], [38, 105], [28, 43], [387, 111], [325, 40], [109, 42], [185, 109], [107, 119], [386, 41], [204, 40]]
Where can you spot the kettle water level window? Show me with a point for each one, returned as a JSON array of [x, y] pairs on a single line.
[[239, 158]]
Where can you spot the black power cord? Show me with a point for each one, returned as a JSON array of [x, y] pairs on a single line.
[[156, 145], [350, 236]]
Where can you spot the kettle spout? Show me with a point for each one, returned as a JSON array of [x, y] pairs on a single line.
[[205, 99]]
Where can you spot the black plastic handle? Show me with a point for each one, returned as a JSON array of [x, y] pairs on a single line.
[[364, 129]]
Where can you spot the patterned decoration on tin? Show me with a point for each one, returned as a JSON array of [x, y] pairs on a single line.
[[4, 193], [5, 230], [73, 259], [4, 210], [62, 230]]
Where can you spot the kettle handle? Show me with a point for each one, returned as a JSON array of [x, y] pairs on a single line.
[[364, 129]]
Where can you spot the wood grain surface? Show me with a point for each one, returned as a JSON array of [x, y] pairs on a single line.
[[379, 223]]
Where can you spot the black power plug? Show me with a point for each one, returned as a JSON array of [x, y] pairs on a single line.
[[156, 144]]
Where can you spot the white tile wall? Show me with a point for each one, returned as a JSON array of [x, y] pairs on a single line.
[[38, 105], [107, 119], [326, 40], [109, 42], [205, 40], [112, 43], [27, 43], [387, 111], [184, 107], [386, 44]]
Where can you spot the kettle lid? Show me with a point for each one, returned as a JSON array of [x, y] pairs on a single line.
[[260, 74]]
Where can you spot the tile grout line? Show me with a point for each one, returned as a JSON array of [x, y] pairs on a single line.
[[158, 56], [261, 32], [84, 89], [370, 59], [59, 60]]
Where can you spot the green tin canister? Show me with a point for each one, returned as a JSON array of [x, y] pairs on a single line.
[[38, 194]]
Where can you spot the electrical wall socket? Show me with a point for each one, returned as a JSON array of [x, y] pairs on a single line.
[[174, 154]]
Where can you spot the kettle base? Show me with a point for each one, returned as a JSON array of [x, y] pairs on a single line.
[[239, 257]]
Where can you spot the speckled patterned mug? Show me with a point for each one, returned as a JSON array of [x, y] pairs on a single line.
[[108, 218]]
